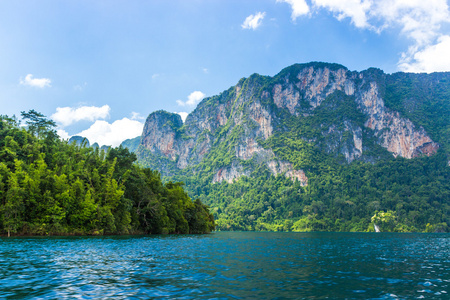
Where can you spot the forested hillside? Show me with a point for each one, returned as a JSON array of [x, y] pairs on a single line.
[[316, 147], [51, 187]]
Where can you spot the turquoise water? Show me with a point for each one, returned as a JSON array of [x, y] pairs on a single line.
[[228, 265]]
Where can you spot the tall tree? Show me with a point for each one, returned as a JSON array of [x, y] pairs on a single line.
[[37, 123]]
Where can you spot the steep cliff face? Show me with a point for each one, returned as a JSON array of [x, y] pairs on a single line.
[[160, 134], [286, 168], [398, 135], [236, 119], [313, 85], [230, 173], [339, 112]]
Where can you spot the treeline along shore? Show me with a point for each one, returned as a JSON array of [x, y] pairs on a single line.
[[51, 187]]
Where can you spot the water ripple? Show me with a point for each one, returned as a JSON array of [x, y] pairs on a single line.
[[228, 265]]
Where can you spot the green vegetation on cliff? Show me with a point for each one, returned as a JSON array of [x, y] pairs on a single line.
[[48, 186], [348, 187], [337, 198], [425, 100], [131, 144]]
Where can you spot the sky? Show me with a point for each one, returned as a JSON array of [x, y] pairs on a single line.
[[99, 68]]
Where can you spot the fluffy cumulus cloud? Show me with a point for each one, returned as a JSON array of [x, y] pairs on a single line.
[[193, 99], [112, 134], [63, 134], [418, 20], [299, 8], [433, 58], [183, 115], [66, 116], [35, 82], [356, 10], [253, 21]]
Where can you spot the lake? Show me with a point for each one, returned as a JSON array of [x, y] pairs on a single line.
[[228, 265]]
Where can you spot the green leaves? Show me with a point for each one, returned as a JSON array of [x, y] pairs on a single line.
[[37, 122], [48, 186]]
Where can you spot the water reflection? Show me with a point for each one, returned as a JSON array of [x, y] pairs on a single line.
[[228, 265]]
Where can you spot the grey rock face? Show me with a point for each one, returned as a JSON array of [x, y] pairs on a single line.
[[237, 121], [160, 134]]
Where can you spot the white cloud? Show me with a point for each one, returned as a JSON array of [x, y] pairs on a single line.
[[136, 116], [299, 8], [434, 58], [354, 9], [253, 21], [114, 134], [154, 76], [193, 99], [419, 21], [35, 82], [66, 116], [63, 134], [183, 115], [205, 70]]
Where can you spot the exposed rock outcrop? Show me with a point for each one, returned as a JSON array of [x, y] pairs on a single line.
[[249, 148], [239, 120], [321, 82], [160, 134], [230, 173], [286, 168], [398, 135]]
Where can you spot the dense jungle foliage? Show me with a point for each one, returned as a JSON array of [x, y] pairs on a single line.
[[338, 197], [51, 187], [397, 194]]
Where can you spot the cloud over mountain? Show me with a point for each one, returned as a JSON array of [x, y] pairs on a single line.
[[420, 21], [66, 116], [193, 99]]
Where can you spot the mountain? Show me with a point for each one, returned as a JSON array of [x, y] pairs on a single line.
[[131, 144], [105, 148], [80, 141], [316, 147]]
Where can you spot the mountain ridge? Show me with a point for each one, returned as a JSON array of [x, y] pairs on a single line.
[[178, 140], [307, 115]]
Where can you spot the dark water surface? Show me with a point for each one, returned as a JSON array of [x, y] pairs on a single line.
[[228, 265]]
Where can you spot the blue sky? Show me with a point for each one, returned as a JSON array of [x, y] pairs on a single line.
[[100, 67]]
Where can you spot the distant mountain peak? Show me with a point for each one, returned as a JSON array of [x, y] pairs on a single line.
[[79, 140]]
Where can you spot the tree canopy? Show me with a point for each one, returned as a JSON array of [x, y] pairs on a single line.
[[51, 187]]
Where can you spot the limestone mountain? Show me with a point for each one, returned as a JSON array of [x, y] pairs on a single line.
[[306, 122], [79, 140], [132, 144], [83, 141]]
